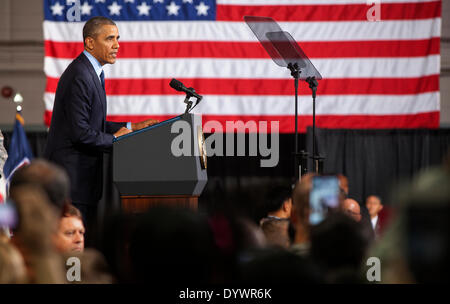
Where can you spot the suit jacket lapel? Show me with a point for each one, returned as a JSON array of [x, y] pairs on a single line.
[[97, 83]]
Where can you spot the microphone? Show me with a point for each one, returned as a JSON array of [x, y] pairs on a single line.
[[179, 86]]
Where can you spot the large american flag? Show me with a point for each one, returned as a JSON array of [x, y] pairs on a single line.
[[382, 74]]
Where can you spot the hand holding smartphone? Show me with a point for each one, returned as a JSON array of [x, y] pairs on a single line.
[[323, 197]]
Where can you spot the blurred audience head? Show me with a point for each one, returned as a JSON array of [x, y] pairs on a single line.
[[114, 244], [343, 185], [94, 269], [415, 246], [37, 223], [12, 265], [338, 246], [172, 246], [70, 234], [276, 224], [248, 234], [373, 205], [279, 266], [279, 201], [37, 218], [427, 237], [351, 208], [235, 238], [52, 178]]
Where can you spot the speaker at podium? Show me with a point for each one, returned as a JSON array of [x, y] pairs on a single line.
[[164, 164]]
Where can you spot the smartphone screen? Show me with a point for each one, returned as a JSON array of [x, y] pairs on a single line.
[[323, 197], [8, 215]]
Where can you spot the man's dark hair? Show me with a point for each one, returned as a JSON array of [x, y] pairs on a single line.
[[174, 245], [50, 177], [375, 196], [276, 197], [92, 26], [276, 266], [338, 246], [70, 210]]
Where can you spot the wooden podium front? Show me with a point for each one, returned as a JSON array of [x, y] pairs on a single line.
[[139, 204], [149, 169]]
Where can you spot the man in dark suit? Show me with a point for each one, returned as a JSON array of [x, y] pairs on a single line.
[[374, 206], [79, 132]]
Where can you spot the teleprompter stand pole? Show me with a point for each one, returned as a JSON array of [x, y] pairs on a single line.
[[300, 158], [317, 159], [285, 52]]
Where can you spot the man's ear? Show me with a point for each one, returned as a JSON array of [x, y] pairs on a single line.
[[89, 43], [287, 205]]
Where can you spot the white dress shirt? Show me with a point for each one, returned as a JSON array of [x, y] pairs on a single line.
[[374, 222]]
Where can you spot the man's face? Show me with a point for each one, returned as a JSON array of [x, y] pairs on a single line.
[[373, 205], [105, 45], [70, 235], [351, 207]]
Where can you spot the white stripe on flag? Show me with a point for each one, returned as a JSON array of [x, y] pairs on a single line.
[[270, 105], [239, 31], [258, 68]]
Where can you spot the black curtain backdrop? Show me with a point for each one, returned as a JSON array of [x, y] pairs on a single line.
[[373, 161]]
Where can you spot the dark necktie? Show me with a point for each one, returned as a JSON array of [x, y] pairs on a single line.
[[102, 78]]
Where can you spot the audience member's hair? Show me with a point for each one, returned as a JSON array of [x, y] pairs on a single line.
[[114, 245], [37, 218], [426, 235], [94, 269], [172, 246], [338, 245], [375, 196], [276, 197], [70, 210], [37, 222], [52, 178], [12, 265], [278, 266]]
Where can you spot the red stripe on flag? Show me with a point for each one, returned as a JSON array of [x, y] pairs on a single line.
[[338, 12], [47, 117], [218, 49], [286, 123], [348, 86]]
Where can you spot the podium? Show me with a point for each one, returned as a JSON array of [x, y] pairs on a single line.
[[161, 164]]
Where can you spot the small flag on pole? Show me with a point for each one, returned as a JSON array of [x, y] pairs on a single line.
[[19, 152]]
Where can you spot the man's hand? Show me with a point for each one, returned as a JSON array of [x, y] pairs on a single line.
[[143, 124], [122, 131]]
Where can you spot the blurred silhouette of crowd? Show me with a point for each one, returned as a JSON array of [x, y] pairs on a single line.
[[227, 243]]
